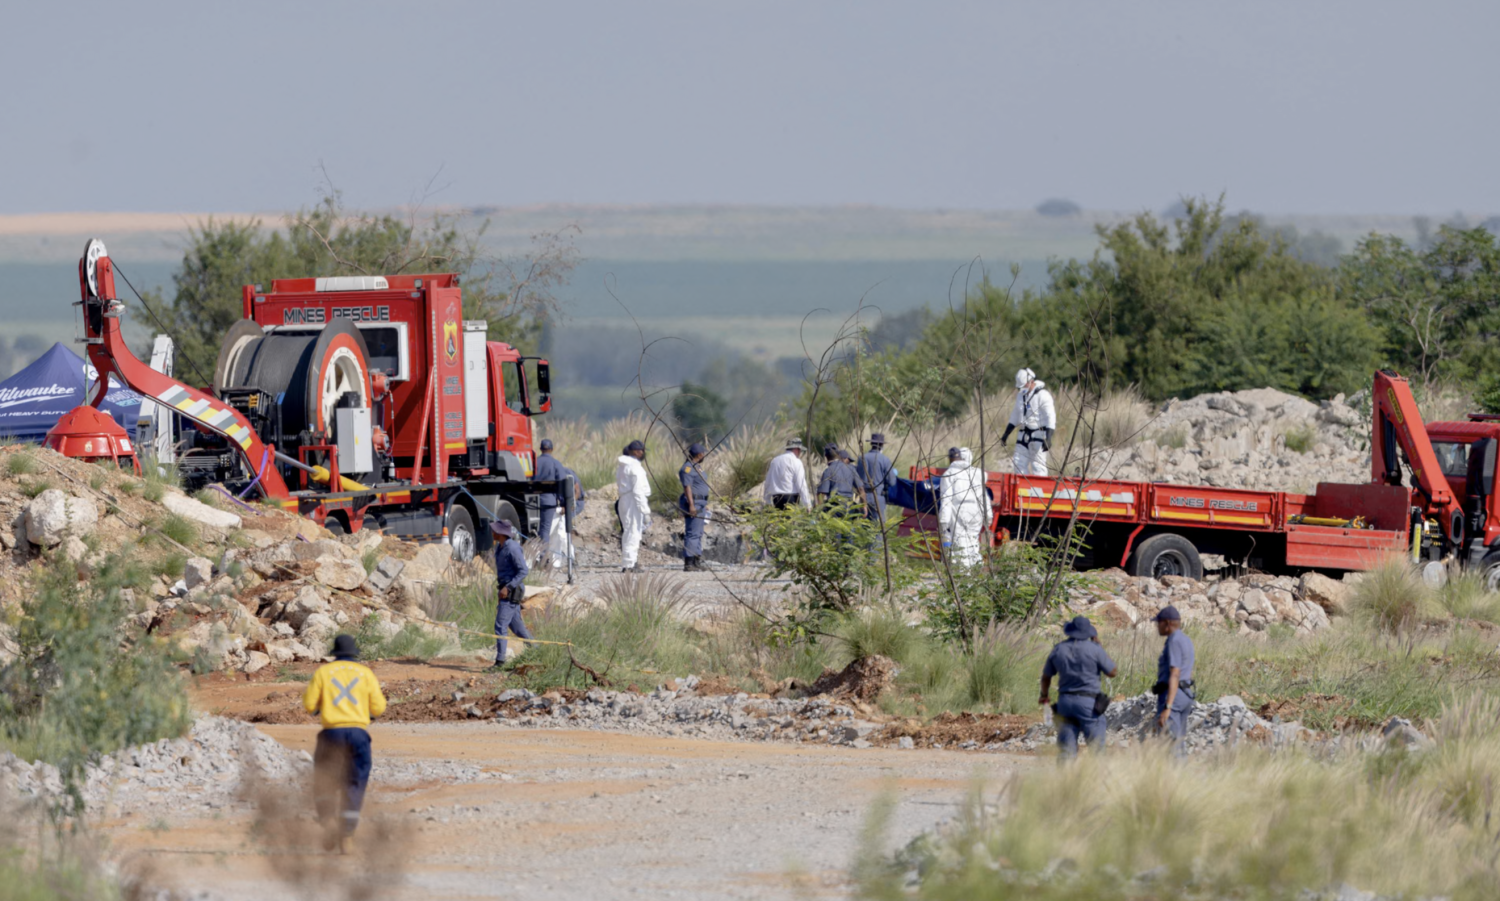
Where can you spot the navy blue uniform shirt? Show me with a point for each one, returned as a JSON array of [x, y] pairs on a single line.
[[1178, 652], [1078, 663], [548, 469], [840, 479], [878, 472], [511, 570], [692, 482]]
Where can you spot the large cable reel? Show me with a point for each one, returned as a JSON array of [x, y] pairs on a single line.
[[307, 375]]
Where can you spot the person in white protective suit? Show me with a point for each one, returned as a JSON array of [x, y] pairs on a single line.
[[1036, 417], [633, 507], [559, 544], [963, 507]]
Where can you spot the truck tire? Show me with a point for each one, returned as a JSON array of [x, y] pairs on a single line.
[[461, 535], [1489, 570], [1166, 554]]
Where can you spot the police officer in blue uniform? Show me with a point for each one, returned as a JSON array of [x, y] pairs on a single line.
[[510, 579], [879, 475], [1078, 661], [840, 481], [548, 469], [693, 502], [1174, 687]]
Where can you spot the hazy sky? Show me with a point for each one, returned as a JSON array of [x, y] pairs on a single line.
[[1298, 107]]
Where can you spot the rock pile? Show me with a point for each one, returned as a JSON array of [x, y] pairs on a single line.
[[216, 765], [1249, 604], [260, 587], [1261, 438], [682, 712]]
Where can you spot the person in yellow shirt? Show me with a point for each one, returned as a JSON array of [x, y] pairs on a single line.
[[345, 695]]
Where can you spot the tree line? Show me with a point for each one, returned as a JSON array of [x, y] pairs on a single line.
[[1204, 302]]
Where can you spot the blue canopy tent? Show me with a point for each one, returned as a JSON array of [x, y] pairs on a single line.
[[34, 399]]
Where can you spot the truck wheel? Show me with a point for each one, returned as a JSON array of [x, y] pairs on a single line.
[[1489, 570], [1166, 555], [461, 535]]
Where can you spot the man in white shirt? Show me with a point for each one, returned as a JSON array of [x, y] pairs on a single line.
[[1036, 416], [633, 507], [786, 479]]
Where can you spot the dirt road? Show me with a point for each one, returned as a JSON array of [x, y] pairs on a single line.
[[585, 815]]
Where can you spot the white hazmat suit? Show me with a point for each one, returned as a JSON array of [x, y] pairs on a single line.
[[963, 508], [1034, 418], [634, 508], [558, 546]]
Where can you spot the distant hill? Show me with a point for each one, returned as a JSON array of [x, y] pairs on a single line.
[[684, 233]]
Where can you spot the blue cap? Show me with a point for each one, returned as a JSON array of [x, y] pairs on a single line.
[[546, 444], [1080, 627], [634, 446], [1168, 614], [695, 449], [845, 455]]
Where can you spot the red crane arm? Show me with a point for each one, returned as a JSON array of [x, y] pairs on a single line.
[[1398, 425], [110, 354]]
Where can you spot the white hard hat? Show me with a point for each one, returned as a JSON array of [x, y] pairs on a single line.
[[1023, 378]]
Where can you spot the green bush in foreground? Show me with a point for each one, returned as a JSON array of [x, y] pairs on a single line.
[[78, 689], [1246, 824]]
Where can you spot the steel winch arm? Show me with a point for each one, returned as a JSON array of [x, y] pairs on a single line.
[[1397, 426], [111, 355]]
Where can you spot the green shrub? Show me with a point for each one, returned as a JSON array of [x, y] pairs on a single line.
[[1175, 438], [1300, 438], [1466, 596], [1393, 596], [34, 487], [172, 528], [76, 690], [828, 555], [411, 641], [22, 463], [881, 629], [1015, 582]]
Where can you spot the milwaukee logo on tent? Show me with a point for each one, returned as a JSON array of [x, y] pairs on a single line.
[[11, 397]]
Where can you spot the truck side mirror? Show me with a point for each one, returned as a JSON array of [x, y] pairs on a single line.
[[543, 386]]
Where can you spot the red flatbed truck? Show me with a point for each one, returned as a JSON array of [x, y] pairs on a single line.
[[359, 402], [1446, 511]]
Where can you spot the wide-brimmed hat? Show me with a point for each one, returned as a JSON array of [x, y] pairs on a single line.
[[502, 527], [345, 648], [1080, 627], [877, 438], [794, 444]]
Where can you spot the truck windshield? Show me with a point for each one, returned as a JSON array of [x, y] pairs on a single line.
[[1453, 458]]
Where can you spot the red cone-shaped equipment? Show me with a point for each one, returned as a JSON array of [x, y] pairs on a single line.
[[86, 433]]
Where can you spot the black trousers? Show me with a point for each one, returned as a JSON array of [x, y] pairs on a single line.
[[780, 501]]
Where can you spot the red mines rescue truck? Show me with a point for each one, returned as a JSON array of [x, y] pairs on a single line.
[[1445, 510], [358, 401]]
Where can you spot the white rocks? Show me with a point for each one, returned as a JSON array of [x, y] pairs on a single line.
[[54, 514], [1329, 594], [317, 630], [307, 603], [345, 575], [197, 571], [384, 575], [255, 661], [198, 512]]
